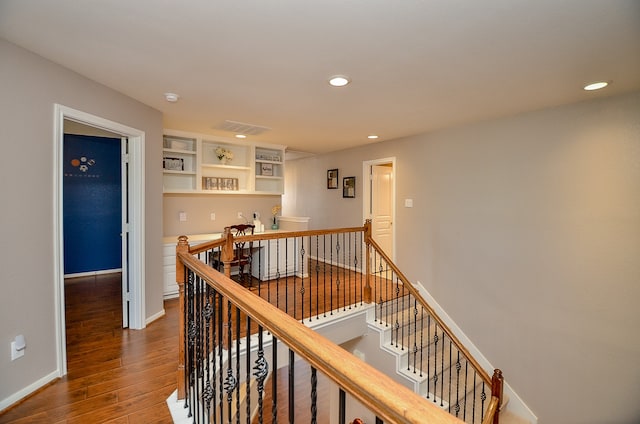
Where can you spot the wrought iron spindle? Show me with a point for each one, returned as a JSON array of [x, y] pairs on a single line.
[[274, 380], [314, 395], [292, 391], [247, 364], [261, 371], [442, 371], [207, 312], [237, 359], [331, 271]]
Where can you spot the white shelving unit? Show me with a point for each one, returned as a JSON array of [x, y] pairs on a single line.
[[191, 165]]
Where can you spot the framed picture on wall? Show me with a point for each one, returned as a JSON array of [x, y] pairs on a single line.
[[266, 169], [332, 178], [349, 187]]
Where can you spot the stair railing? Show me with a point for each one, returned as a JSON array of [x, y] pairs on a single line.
[[346, 267], [452, 377], [224, 380]]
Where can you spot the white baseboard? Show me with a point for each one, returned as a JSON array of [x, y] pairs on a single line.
[[92, 273], [155, 317], [516, 404], [16, 397]]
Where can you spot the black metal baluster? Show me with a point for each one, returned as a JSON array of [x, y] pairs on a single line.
[[274, 380], [483, 398], [220, 358], [198, 347], [428, 355], [436, 339], [331, 270], [421, 339], [317, 278], [302, 287], [415, 336], [473, 405], [324, 274], [230, 381], [348, 287], [458, 367], [207, 312], [261, 371], [237, 358], [292, 391], [314, 395], [466, 377], [216, 346], [342, 410], [189, 343], [344, 273], [247, 364], [442, 370], [278, 273], [338, 283]]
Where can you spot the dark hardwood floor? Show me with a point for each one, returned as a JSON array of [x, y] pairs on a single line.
[[115, 375]]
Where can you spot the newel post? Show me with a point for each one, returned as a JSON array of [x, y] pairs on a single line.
[[497, 386], [367, 278], [227, 256], [182, 246], [227, 251]]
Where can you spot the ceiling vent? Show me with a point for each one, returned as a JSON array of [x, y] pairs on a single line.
[[241, 128]]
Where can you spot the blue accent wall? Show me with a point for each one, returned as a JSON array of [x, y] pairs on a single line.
[[92, 204]]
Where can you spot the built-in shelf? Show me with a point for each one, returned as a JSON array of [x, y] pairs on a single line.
[[192, 164]]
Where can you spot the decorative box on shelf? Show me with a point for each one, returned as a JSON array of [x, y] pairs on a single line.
[[215, 183]]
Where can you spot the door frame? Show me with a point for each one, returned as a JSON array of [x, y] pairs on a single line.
[[136, 220], [366, 193]]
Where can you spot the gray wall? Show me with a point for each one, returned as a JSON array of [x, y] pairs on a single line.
[[30, 86], [527, 232]]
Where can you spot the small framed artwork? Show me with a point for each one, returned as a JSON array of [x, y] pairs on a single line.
[[332, 178], [266, 169], [349, 187], [173, 164]]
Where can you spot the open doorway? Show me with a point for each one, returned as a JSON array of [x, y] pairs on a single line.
[[379, 201], [132, 226]]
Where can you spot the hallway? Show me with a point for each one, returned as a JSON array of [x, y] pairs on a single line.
[[114, 375]]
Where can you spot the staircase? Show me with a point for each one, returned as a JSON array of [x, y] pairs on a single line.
[[431, 365]]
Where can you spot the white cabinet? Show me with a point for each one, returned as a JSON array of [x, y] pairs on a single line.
[[277, 258], [196, 163], [170, 288]]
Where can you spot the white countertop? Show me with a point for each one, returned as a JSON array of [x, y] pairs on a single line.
[[208, 237]]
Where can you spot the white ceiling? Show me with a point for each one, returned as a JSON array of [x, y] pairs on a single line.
[[416, 65]]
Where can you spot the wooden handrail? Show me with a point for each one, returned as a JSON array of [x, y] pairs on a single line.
[[388, 399], [271, 236]]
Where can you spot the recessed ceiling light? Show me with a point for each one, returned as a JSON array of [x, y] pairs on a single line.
[[241, 136], [596, 85], [171, 97], [372, 137], [339, 80]]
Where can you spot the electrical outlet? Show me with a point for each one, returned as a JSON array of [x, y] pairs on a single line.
[[212, 216], [182, 216]]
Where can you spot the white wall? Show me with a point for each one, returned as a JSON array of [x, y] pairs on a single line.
[[527, 231], [31, 86]]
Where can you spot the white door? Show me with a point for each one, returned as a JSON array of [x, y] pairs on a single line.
[[125, 231], [382, 207]]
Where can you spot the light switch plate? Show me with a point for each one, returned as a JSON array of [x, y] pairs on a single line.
[[408, 203], [15, 353], [183, 216]]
